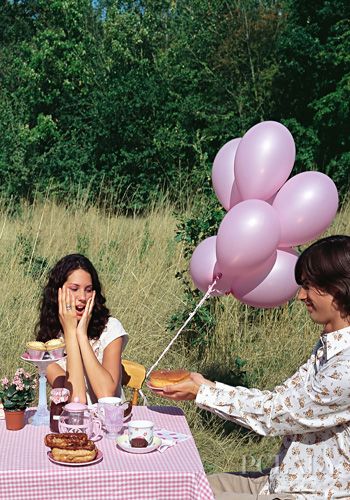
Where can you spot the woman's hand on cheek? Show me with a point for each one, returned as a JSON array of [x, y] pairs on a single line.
[[66, 310], [85, 319]]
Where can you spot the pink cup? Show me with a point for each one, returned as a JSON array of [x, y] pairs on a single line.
[[113, 419]]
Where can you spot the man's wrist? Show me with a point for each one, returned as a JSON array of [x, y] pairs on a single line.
[[205, 390]]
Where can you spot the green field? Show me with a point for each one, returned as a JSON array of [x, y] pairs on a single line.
[[137, 259]]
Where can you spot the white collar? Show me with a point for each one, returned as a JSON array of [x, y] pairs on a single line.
[[336, 342]]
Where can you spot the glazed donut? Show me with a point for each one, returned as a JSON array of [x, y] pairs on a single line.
[[71, 447], [66, 440], [161, 378]]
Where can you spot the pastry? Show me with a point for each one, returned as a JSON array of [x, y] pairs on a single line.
[[36, 350], [161, 378], [66, 440], [52, 349], [37, 346], [74, 456], [71, 447], [55, 348], [54, 344]]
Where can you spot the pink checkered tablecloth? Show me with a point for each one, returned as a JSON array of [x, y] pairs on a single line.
[[176, 474]]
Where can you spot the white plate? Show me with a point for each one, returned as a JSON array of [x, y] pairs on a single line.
[[98, 459], [124, 444]]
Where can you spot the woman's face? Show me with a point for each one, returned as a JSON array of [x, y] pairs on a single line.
[[79, 283]]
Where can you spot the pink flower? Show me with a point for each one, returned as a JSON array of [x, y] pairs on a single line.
[[23, 383]]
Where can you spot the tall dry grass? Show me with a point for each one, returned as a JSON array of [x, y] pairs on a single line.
[[137, 259]]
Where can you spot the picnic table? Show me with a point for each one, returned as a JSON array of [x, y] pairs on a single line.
[[26, 473]]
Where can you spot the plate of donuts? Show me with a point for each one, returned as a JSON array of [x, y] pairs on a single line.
[[96, 460], [73, 449]]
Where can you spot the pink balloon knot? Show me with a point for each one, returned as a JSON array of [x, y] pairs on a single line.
[[218, 276]]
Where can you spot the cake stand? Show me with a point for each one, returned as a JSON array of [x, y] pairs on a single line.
[[42, 414]]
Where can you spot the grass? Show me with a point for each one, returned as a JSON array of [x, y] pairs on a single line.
[[137, 259]]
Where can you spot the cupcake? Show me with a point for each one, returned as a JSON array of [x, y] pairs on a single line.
[[36, 350], [52, 349], [55, 348]]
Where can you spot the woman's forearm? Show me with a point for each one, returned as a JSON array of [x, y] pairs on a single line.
[[100, 379], [75, 369]]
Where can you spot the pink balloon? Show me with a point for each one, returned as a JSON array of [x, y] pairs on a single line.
[[247, 236], [223, 176], [204, 268], [264, 160], [272, 199], [244, 283], [306, 205], [270, 285]]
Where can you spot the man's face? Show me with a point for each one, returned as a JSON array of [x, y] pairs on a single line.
[[321, 307]]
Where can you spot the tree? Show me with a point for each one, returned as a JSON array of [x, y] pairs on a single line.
[[314, 73]]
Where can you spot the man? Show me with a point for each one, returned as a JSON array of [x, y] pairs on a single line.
[[311, 409]]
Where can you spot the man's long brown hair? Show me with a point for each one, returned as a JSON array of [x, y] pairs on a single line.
[[325, 265]]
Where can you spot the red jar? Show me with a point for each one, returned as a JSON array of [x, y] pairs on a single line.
[[58, 398]]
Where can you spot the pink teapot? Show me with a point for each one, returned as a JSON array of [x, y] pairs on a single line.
[[76, 417]]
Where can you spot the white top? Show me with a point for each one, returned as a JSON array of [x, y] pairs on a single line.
[[113, 330], [311, 410]]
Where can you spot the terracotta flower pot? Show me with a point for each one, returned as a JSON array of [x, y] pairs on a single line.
[[14, 419]]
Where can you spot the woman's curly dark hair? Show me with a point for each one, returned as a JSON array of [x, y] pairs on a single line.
[[49, 326], [326, 266]]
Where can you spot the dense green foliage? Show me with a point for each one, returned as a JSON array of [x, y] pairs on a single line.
[[136, 97]]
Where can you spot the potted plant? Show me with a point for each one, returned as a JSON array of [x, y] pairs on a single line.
[[16, 397]]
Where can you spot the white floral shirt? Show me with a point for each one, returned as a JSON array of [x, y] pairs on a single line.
[[311, 410]]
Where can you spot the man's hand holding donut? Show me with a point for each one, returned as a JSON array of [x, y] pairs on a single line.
[[184, 390]]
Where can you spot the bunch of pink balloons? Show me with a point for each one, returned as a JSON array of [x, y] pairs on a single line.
[[266, 216]]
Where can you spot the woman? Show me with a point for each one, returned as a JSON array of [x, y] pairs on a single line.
[[73, 306], [311, 410]]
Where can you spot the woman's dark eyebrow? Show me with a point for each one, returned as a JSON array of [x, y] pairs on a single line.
[[77, 284]]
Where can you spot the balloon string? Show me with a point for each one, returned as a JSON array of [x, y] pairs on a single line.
[[200, 303]]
